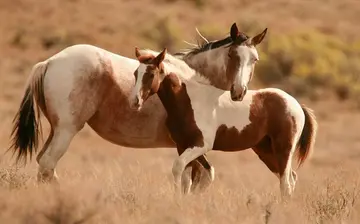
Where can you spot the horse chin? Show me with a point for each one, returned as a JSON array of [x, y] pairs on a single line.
[[139, 108], [238, 97], [136, 107]]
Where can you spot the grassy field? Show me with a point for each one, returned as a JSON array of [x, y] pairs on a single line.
[[312, 51]]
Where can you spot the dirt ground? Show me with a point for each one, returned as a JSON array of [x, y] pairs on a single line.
[[105, 183]]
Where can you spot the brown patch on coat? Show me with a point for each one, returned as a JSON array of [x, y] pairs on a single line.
[[270, 132], [89, 90], [115, 121], [180, 120]]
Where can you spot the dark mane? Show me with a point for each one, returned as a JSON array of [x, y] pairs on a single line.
[[213, 45]]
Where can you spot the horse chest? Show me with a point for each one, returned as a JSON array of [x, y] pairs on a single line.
[[180, 119], [184, 132]]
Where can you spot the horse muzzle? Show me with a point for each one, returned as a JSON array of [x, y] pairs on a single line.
[[135, 103], [238, 95]]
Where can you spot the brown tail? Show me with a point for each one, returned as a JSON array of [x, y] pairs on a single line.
[[27, 124], [307, 139]]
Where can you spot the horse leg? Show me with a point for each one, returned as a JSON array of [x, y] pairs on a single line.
[[293, 179], [197, 177], [187, 178], [183, 160], [191, 177], [266, 154], [56, 145], [284, 148], [197, 167]]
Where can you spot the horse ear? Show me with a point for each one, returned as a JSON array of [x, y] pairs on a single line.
[[157, 61], [234, 32], [137, 52], [258, 38]]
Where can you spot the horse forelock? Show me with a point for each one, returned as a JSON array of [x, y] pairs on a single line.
[[145, 58]]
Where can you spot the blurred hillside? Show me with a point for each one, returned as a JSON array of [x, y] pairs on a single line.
[[312, 46]]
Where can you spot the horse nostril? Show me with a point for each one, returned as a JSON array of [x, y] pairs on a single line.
[[137, 101], [244, 91]]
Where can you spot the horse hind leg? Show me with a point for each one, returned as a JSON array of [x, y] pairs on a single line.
[[183, 160], [187, 178], [264, 149], [55, 147], [202, 166], [192, 177], [284, 150], [46, 176], [293, 180], [266, 154]]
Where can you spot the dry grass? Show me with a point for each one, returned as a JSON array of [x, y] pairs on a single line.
[[104, 183]]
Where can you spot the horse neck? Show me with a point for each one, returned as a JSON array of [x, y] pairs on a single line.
[[169, 98], [176, 93], [211, 65]]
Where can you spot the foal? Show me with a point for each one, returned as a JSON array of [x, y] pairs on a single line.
[[201, 118]]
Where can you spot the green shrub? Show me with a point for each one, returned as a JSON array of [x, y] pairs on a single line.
[[315, 59]]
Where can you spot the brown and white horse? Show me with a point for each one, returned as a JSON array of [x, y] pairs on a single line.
[[86, 84], [201, 118]]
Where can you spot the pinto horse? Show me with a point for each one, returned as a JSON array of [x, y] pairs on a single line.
[[201, 118], [86, 84]]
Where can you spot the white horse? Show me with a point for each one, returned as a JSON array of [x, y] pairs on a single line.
[[86, 84], [201, 118]]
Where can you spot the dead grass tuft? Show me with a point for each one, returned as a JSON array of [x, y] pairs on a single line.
[[11, 178], [335, 202]]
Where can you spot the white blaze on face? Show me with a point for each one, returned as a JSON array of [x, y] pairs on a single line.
[[136, 93], [248, 56]]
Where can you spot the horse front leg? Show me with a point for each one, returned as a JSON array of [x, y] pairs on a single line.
[[198, 174], [183, 160]]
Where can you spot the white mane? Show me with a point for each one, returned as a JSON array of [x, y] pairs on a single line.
[[179, 67]]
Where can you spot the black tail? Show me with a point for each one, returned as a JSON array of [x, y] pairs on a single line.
[[27, 125], [307, 139]]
